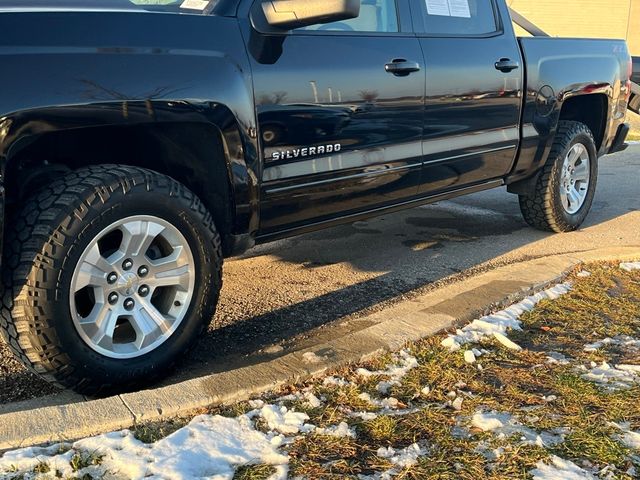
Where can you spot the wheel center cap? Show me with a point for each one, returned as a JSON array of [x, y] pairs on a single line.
[[127, 284]]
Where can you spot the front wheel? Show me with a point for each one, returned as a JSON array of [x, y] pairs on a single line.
[[110, 275], [565, 190]]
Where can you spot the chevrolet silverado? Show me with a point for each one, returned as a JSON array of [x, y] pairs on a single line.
[[143, 141]]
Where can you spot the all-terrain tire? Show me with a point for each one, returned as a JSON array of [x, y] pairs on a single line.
[[43, 245], [543, 209]]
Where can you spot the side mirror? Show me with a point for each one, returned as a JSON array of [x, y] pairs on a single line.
[[292, 14]]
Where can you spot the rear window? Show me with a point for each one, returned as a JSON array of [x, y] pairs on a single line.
[[459, 17]]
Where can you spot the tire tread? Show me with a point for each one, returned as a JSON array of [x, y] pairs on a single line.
[[539, 210]]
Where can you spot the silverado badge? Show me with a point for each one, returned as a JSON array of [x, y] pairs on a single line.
[[305, 152]]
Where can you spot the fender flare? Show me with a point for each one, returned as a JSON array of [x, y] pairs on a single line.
[[21, 129]]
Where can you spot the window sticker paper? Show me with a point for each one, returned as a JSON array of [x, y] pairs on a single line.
[[459, 8], [195, 4], [438, 7]]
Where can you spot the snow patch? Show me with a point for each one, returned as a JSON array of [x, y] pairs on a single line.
[[623, 341], [335, 382], [470, 357], [498, 324], [506, 342], [630, 266], [556, 358], [628, 437], [306, 396], [559, 469], [612, 377], [281, 419], [504, 425], [401, 364], [342, 430], [364, 416], [402, 458], [488, 422], [389, 403], [631, 439], [57, 457], [209, 447]]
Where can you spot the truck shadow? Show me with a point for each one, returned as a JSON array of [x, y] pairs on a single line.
[[364, 266], [370, 265]]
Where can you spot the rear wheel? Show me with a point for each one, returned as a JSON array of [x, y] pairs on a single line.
[[110, 274], [566, 187]]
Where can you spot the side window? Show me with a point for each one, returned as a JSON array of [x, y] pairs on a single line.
[[459, 17], [375, 16]]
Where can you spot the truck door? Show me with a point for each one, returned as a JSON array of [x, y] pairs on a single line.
[[340, 111], [474, 74]]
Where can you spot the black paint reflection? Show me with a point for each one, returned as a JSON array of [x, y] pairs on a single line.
[[334, 90]]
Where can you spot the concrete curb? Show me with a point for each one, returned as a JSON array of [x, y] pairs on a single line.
[[389, 329]]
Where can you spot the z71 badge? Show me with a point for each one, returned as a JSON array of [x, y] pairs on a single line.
[[306, 152]]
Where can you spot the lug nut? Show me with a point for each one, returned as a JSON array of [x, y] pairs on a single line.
[[113, 298], [127, 264], [112, 278], [143, 291], [143, 271], [129, 304]]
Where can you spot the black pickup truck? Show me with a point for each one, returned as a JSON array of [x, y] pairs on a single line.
[[143, 141]]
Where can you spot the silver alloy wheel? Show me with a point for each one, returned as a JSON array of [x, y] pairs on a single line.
[[575, 179], [132, 287]]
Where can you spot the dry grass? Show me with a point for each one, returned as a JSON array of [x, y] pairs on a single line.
[[151, 432], [605, 304], [634, 120], [84, 460], [254, 472]]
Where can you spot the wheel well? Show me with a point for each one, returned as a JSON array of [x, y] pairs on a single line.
[[590, 110], [190, 153]]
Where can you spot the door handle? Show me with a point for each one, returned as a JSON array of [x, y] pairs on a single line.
[[401, 67], [507, 65]]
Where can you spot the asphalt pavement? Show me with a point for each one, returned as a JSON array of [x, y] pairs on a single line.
[[279, 296]]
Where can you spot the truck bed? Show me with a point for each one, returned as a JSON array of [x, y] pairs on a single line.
[[559, 69]]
